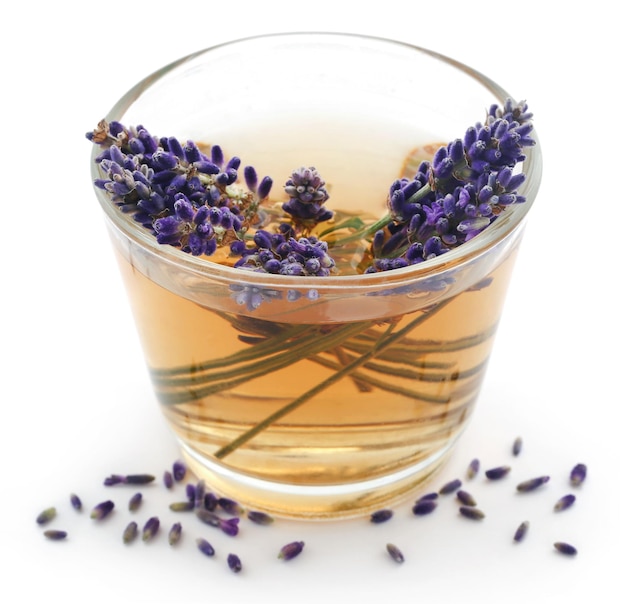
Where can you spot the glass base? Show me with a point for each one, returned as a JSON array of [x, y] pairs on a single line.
[[331, 502]]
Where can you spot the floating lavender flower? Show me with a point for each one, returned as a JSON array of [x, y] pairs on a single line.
[[291, 550], [151, 528], [532, 484], [102, 510], [307, 194], [47, 515], [77, 504], [565, 548], [130, 532], [234, 563], [205, 547], [564, 502], [381, 516], [521, 531], [395, 553], [497, 473], [578, 474], [175, 533], [55, 535], [260, 518]]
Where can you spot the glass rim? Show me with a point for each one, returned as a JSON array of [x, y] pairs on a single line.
[[512, 218]]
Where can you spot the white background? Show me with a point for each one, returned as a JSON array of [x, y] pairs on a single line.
[[76, 401]]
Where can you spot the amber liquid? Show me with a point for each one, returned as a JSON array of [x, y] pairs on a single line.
[[402, 406]]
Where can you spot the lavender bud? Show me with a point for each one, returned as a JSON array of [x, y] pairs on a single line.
[[46, 516], [210, 501], [517, 446], [190, 491], [205, 547], [102, 510], [230, 506], [450, 487], [260, 518], [182, 506], [473, 468], [395, 553], [565, 548], [428, 497], [381, 516], [497, 473], [77, 504], [471, 513], [175, 533], [55, 535], [135, 502], [234, 563], [423, 507], [139, 478], [130, 532], [465, 498], [113, 480], [578, 474], [151, 528], [291, 550], [168, 479], [230, 526], [200, 491], [521, 531], [565, 502], [208, 517], [179, 470], [532, 484]]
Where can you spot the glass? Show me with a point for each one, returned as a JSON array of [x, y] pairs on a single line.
[[317, 397]]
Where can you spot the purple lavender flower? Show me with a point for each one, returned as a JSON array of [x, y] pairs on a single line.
[[234, 563], [307, 195], [179, 470], [578, 474]]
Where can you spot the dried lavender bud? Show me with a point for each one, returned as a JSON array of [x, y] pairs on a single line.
[[517, 446], [565, 502], [381, 516], [578, 474], [46, 516], [205, 547], [210, 501], [77, 504], [135, 502], [114, 479], [190, 491], [129, 479], [450, 487], [471, 513], [130, 532], [465, 498], [428, 497], [168, 479], [291, 550], [473, 468], [200, 491], [182, 506], [179, 470], [208, 517], [565, 548], [151, 528], [55, 535], [497, 473], [234, 563], [260, 518], [424, 506], [521, 531], [230, 526], [102, 510], [175, 533], [395, 553], [532, 484], [230, 506]]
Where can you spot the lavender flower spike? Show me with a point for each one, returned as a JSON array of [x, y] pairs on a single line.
[[291, 550]]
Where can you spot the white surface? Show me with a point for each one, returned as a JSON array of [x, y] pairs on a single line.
[[78, 405]]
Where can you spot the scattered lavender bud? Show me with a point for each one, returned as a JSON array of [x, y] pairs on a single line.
[[565, 548], [471, 513], [234, 563], [77, 504], [129, 479], [229, 526], [200, 491], [135, 502], [381, 516], [168, 479], [565, 502], [428, 497], [260, 517], [517, 446], [395, 553], [179, 470], [424, 506], [291, 550], [130, 532], [175, 533], [465, 498], [532, 484], [210, 501], [182, 506], [473, 468], [205, 547], [55, 535], [208, 517], [497, 473], [578, 474], [450, 487], [230, 506], [102, 510], [151, 528], [46, 516], [190, 491], [521, 531]]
